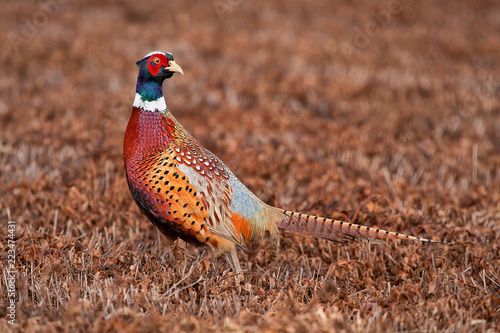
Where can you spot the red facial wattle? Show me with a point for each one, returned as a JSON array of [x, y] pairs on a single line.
[[154, 67]]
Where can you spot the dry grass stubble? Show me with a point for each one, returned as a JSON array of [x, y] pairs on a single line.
[[404, 131]]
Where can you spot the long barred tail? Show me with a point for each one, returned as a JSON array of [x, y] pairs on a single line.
[[340, 232]]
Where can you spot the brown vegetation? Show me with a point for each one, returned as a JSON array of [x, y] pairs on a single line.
[[326, 107]]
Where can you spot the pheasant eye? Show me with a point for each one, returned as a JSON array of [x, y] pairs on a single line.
[[156, 60]]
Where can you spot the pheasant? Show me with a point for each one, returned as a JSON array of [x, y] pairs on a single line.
[[189, 193]]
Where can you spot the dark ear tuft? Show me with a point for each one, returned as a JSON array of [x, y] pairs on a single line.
[[141, 61]]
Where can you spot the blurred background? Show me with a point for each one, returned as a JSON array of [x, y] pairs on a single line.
[[271, 87], [316, 106]]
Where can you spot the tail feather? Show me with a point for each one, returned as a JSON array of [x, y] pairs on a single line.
[[339, 231]]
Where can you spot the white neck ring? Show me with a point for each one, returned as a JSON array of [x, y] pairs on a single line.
[[152, 106]]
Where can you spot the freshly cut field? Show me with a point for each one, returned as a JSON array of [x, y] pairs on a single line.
[[382, 113]]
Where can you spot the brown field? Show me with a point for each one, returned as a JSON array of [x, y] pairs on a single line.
[[383, 113]]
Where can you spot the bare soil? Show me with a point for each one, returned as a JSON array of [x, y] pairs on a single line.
[[383, 113]]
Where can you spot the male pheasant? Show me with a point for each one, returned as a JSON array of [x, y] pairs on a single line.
[[189, 193]]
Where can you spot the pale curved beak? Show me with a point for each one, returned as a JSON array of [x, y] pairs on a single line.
[[173, 67]]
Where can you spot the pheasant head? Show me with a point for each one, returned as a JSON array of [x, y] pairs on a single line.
[[154, 68]]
